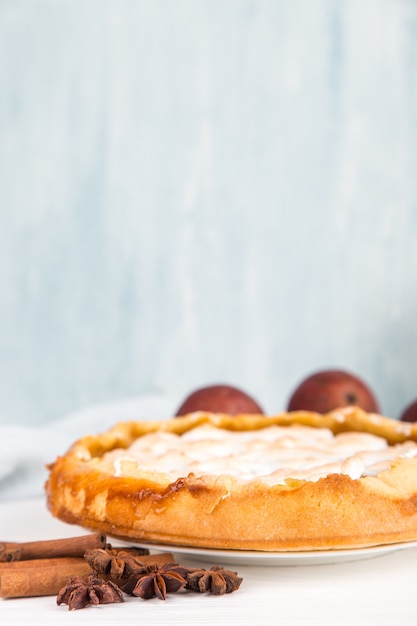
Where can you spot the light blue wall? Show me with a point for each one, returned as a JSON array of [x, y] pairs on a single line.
[[205, 191]]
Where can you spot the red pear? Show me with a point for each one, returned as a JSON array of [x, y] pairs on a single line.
[[410, 413], [330, 389], [219, 399]]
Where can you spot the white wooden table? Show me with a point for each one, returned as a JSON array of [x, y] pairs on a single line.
[[381, 590]]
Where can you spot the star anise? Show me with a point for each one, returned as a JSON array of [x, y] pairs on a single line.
[[217, 580], [157, 581], [115, 563], [82, 591]]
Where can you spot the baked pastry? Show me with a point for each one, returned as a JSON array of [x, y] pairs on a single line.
[[294, 481]]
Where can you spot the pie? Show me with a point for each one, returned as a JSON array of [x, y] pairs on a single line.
[[293, 481]]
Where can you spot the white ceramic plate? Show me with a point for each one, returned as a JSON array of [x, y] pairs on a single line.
[[280, 559]]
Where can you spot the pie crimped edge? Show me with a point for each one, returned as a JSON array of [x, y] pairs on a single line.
[[220, 512]]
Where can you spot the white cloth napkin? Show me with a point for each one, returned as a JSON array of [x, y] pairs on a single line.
[[26, 451]]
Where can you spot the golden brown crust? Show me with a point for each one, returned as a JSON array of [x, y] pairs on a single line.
[[221, 512]]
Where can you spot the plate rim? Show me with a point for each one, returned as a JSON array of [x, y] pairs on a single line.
[[276, 557]]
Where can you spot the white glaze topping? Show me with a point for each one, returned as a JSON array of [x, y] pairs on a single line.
[[271, 454]]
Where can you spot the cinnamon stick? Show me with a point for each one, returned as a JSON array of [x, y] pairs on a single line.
[[39, 578], [37, 564], [156, 559], [45, 577], [9, 553], [73, 546], [160, 558]]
